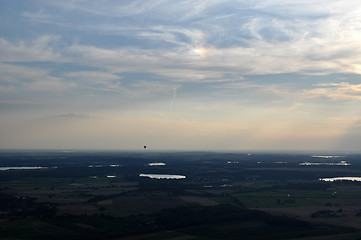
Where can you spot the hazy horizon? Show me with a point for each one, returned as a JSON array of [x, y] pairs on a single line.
[[315, 153], [223, 75]]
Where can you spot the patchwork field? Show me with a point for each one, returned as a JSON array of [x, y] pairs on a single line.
[[224, 196]]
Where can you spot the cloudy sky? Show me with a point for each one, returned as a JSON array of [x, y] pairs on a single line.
[[180, 75]]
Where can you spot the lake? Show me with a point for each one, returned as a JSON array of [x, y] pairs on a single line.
[[20, 168], [156, 164], [326, 156], [341, 163], [162, 176], [357, 179]]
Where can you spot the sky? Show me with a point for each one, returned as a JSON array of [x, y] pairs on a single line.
[[218, 75]]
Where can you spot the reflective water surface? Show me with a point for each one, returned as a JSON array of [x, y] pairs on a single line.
[[358, 179], [156, 164], [341, 163], [20, 168], [162, 176]]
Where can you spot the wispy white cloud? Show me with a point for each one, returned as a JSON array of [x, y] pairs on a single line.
[[18, 102], [206, 58], [336, 91], [42, 48], [333, 91], [50, 84], [74, 116], [20, 78], [277, 37], [92, 78], [40, 16]]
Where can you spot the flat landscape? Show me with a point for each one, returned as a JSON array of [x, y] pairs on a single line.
[[178, 195]]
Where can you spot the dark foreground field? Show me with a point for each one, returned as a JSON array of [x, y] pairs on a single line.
[[101, 195]]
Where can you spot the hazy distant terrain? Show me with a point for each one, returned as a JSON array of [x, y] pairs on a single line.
[[132, 195]]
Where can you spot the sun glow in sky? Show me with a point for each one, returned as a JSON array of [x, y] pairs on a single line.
[[180, 75], [201, 52]]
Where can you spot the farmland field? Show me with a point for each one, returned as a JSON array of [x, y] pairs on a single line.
[[101, 195]]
